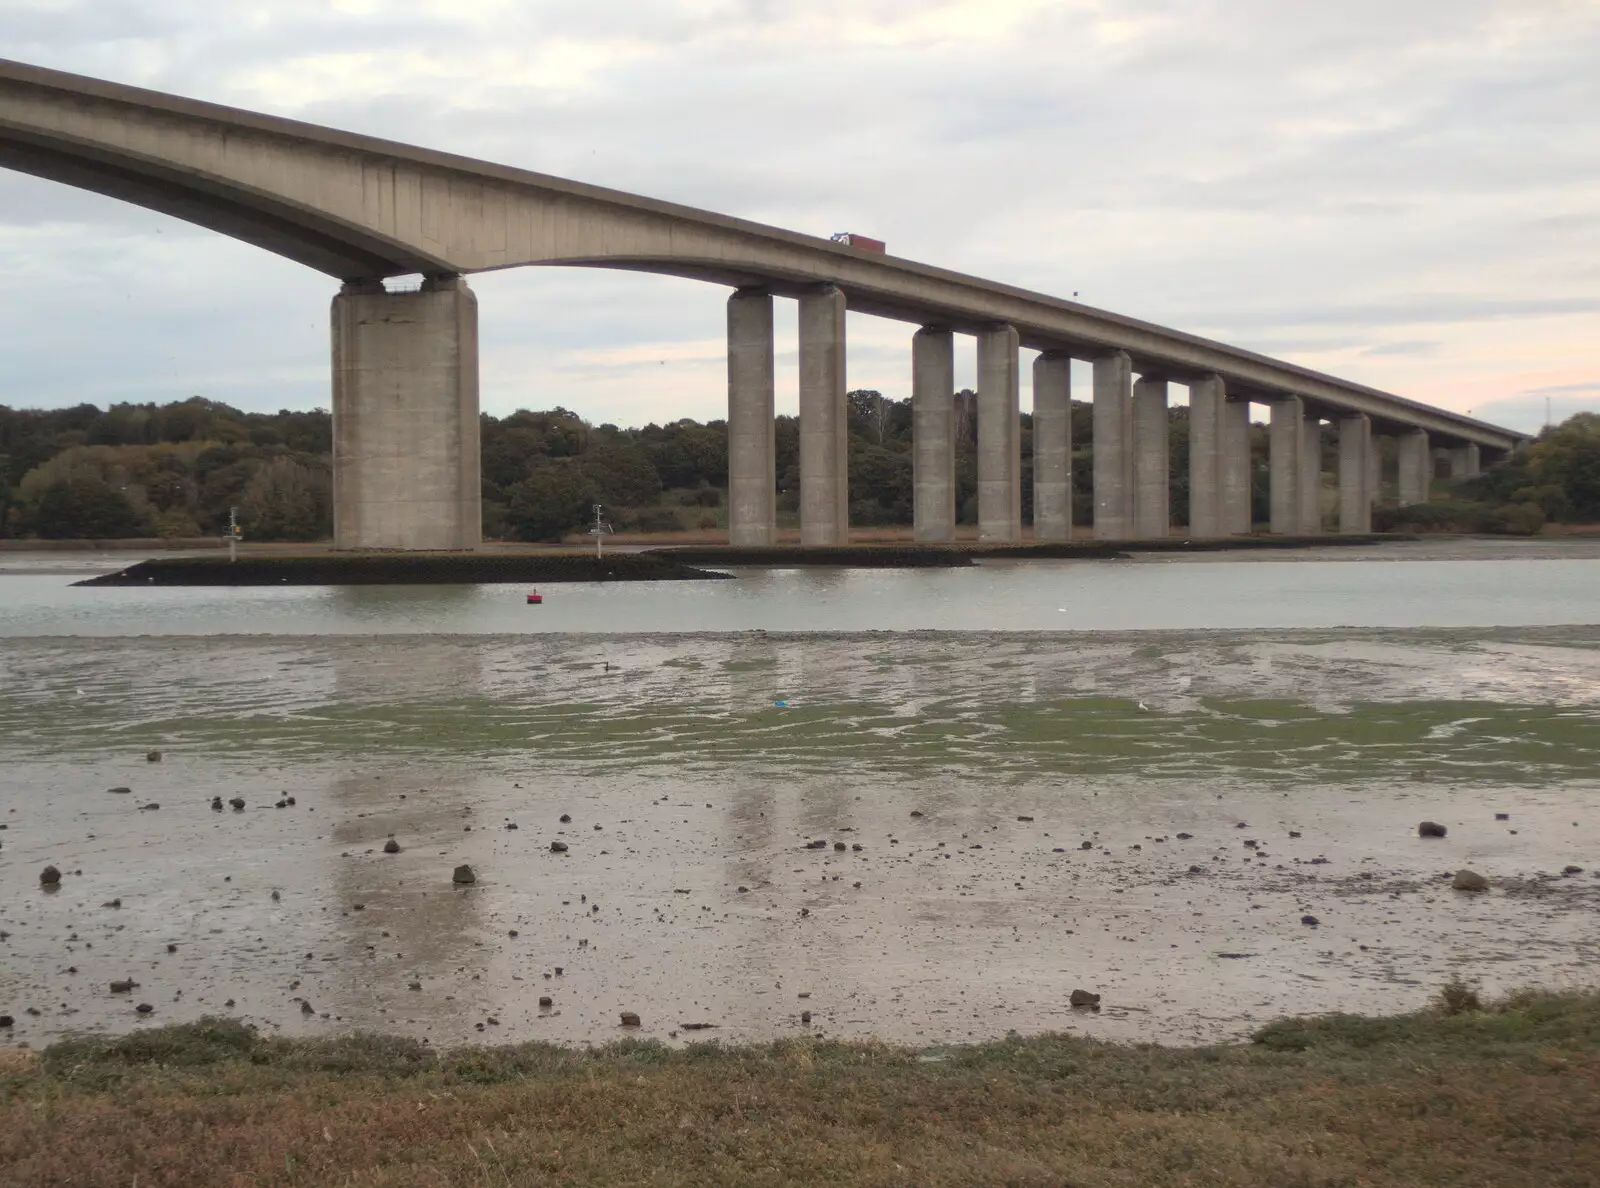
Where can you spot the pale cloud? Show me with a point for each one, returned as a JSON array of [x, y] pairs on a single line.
[[1404, 194]]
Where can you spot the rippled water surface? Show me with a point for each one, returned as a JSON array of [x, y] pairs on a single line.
[[700, 735]]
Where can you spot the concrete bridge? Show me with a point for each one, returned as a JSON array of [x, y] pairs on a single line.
[[405, 363]]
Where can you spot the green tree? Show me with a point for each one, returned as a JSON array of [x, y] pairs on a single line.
[[287, 500], [82, 508], [549, 503]]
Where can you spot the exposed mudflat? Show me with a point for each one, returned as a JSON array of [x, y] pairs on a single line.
[[687, 891]]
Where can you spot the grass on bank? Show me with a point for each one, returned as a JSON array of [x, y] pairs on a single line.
[[1506, 1094]]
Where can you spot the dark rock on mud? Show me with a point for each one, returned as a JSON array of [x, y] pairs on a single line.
[[237, 804], [1469, 880], [49, 876], [124, 986], [546, 1001], [144, 1008], [119, 791], [1572, 870], [216, 804], [1084, 998], [558, 847], [1310, 921], [629, 1019], [565, 818], [1431, 829], [152, 757], [464, 874], [391, 846]]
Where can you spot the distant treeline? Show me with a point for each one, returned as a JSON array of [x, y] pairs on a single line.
[[175, 470]]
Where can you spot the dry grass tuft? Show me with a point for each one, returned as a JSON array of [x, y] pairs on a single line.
[[1465, 1093]]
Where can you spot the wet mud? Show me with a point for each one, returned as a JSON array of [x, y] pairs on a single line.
[[1150, 818]]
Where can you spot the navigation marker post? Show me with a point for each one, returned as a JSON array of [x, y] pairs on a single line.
[[599, 530]]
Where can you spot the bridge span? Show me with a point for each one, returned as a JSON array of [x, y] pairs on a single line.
[[405, 363]]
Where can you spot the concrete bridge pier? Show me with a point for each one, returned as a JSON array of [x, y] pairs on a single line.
[[1237, 519], [1415, 467], [1152, 514], [824, 430], [933, 435], [1286, 456], [1464, 461], [1205, 457], [405, 417], [752, 453], [1355, 473], [1052, 446], [1311, 475], [999, 436], [1113, 442]]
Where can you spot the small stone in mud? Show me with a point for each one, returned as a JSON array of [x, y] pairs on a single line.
[[1251, 844], [1294, 833], [1502, 816], [857, 847], [1312, 921], [216, 804], [1571, 870], [1197, 870], [413, 985], [629, 1019], [805, 911], [565, 818], [358, 907], [744, 890], [7, 1021], [49, 876], [119, 791], [1242, 825], [805, 1016], [819, 844], [558, 847], [113, 903], [916, 812], [1088, 845], [276, 896], [152, 756], [511, 825], [144, 1008], [840, 846], [229, 1004], [280, 804], [546, 1001], [1431, 829], [513, 932], [559, 971], [1084, 998], [464, 874], [1469, 880], [1183, 836], [172, 948], [237, 804], [125, 986], [306, 1008], [149, 808], [1025, 818], [391, 846]]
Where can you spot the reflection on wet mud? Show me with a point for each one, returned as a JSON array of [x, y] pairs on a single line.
[[1128, 813]]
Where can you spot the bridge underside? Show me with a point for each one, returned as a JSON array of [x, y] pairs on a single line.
[[405, 364]]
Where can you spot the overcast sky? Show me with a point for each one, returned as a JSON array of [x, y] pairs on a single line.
[[1404, 193]]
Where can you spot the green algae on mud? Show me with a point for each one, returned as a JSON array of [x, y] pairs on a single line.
[[373, 569]]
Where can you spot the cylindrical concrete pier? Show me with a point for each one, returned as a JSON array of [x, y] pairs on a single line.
[[1052, 446], [1113, 447], [933, 436], [1286, 454], [1355, 473], [1237, 519], [1311, 474], [1464, 462], [1152, 514], [405, 417], [1415, 467], [752, 477], [999, 437], [1206, 397], [824, 441]]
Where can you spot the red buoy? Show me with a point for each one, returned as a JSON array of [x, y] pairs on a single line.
[[535, 598]]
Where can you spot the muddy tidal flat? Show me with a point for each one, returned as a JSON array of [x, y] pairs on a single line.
[[924, 837]]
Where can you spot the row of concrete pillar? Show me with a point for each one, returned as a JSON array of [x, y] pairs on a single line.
[[406, 472], [1131, 463]]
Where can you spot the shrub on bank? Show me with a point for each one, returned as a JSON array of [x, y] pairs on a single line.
[[1510, 519]]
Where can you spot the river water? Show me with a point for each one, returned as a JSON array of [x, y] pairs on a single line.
[[972, 731]]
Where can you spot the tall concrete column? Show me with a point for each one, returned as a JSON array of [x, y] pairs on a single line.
[[999, 436], [752, 456], [824, 440], [1286, 455], [1052, 446], [1206, 397], [1113, 447], [405, 417], [1375, 470], [933, 434], [1416, 467], [1236, 514], [1464, 462], [1355, 473], [1151, 493], [1311, 475]]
